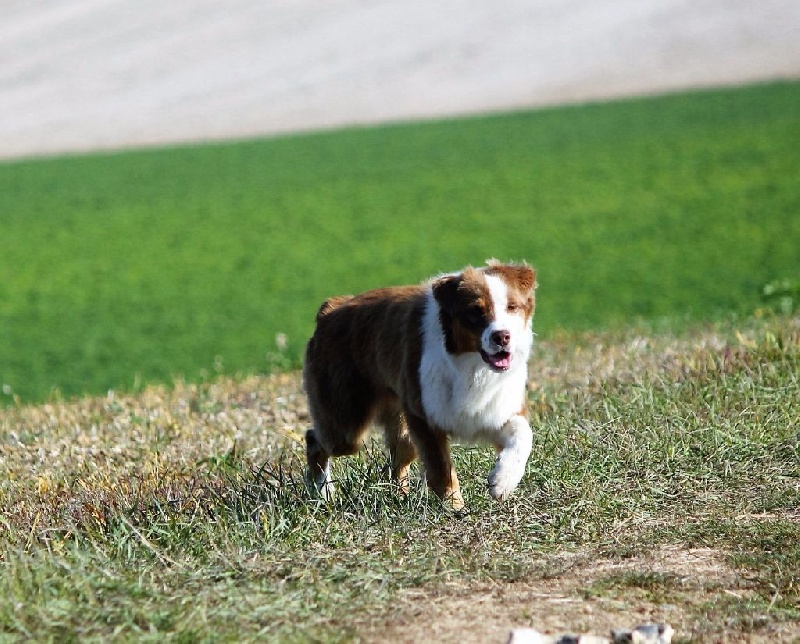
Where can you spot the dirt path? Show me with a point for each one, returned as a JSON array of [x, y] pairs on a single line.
[[580, 594], [94, 74]]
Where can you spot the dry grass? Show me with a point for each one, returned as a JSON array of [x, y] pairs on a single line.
[[664, 486]]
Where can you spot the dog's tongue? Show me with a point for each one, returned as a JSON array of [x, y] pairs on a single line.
[[500, 361]]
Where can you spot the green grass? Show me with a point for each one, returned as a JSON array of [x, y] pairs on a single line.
[[180, 514], [145, 266]]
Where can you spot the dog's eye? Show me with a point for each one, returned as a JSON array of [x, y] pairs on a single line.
[[512, 307], [474, 315]]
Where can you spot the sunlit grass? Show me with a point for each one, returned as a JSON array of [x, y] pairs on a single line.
[[182, 512]]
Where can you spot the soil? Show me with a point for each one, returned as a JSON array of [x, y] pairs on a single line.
[[575, 600]]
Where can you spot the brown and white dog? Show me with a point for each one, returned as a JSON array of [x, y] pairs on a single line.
[[444, 359]]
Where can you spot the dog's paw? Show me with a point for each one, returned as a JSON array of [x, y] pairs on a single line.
[[321, 486], [454, 501], [504, 479], [500, 489], [325, 492], [509, 468]]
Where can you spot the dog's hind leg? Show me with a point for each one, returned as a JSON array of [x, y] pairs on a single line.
[[341, 405], [318, 470], [398, 441], [320, 448]]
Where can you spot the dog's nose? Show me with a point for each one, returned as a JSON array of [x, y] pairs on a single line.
[[501, 338]]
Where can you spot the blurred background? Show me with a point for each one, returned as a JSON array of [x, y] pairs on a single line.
[[89, 74], [182, 183]]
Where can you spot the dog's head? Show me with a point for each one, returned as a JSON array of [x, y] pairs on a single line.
[[488, 310]]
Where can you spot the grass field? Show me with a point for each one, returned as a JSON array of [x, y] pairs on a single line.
[[148, 266], [664, 486]]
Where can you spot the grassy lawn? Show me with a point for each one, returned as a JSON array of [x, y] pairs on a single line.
[[149, 266], [664, 486]]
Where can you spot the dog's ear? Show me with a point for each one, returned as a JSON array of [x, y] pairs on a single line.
[[522, 275], [445, 290], [526, 277]]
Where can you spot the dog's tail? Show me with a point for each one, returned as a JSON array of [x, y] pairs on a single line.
[[332, 303]]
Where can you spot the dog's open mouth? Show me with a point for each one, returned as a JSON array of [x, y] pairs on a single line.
[[499, 361]]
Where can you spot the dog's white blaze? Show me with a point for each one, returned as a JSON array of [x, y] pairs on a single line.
[[514, 323], [460, 393]]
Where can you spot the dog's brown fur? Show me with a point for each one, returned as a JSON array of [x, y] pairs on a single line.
[[361, 366]]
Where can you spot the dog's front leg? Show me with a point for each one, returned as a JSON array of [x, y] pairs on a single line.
[[433, 447], [514, 442]]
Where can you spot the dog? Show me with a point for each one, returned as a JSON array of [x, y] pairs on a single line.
[[446, 359]]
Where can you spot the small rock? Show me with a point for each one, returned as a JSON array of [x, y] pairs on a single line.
[[532, 636], [642, 634]]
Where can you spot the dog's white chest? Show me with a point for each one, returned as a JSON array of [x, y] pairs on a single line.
[[459, 393], [463, 397]]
